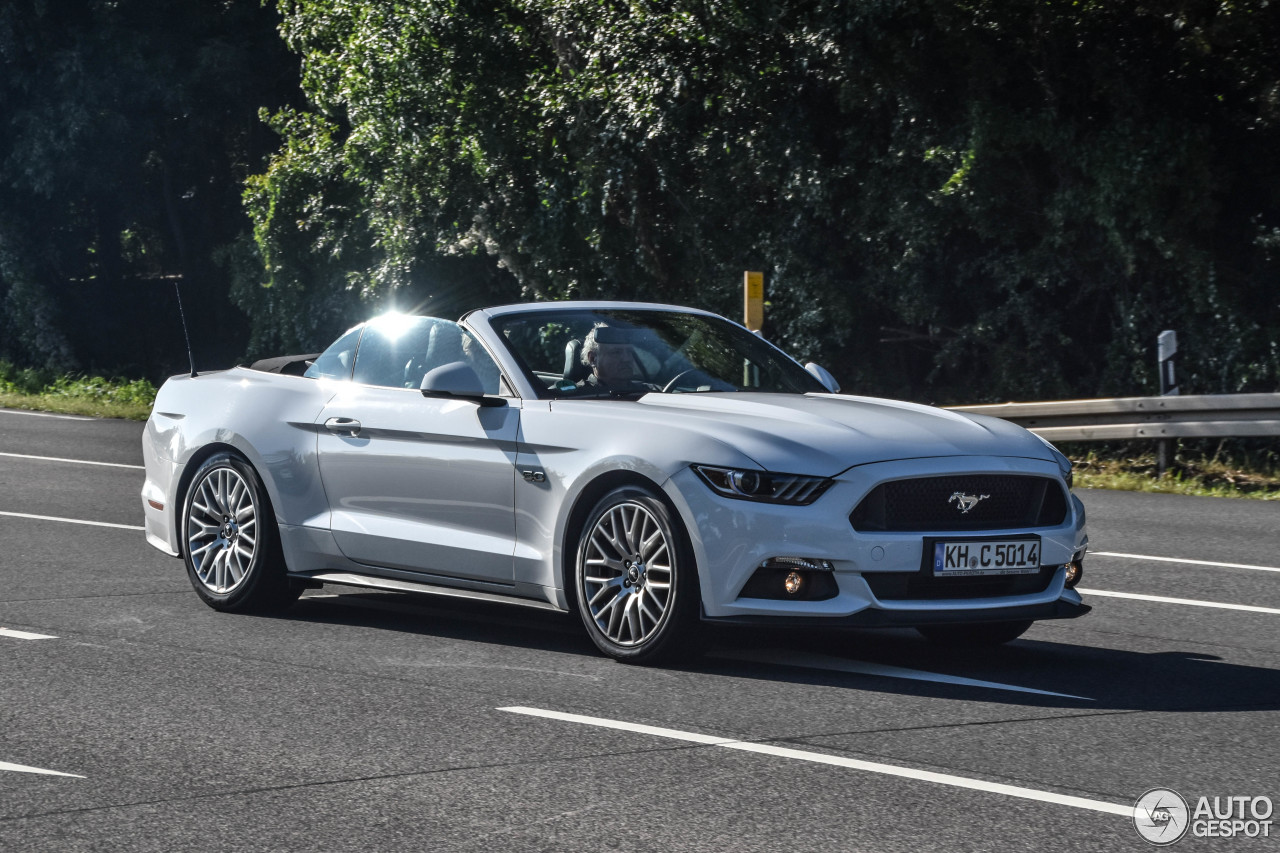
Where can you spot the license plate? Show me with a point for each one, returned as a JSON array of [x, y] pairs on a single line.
[[967, 557]]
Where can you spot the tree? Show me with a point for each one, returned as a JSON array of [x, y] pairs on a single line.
[[128, 128], [1018, 194]]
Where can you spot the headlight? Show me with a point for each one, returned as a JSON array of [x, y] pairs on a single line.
[[764, 486]]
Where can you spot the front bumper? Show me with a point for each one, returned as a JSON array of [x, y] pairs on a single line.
[[159, 489], [731, 539]]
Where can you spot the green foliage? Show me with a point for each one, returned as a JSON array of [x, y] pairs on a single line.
[[31, 382], [1016, 196], [26, 380], [135, 392]]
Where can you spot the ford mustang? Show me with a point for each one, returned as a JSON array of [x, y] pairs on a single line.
[[649, 467]]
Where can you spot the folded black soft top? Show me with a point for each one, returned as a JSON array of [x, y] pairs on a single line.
[[292, 365]]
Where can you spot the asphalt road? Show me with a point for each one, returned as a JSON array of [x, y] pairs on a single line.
[[364, 721]]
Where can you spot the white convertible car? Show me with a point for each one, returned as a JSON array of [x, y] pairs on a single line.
[[650, 467]]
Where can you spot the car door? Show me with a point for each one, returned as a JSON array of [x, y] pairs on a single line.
[[414, 483]]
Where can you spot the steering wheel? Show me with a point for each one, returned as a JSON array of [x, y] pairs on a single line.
[[667, 389]]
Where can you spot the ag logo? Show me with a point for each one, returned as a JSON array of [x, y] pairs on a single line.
[[1161, 816]]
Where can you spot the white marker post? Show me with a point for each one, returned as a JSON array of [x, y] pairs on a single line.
[[1166, 349]]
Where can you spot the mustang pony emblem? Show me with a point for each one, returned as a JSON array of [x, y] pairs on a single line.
[[966, 502]]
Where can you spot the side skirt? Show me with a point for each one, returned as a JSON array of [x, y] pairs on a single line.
[[396, 585]]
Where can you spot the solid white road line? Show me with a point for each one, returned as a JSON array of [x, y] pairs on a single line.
[[1181, 560], [44, 415], [1249, 608], [72, 520], [24, 635], [76, 461], [20, 768], [837, 664], [836, 761]]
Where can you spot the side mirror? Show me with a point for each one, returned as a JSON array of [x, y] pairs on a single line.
[[824, 376], [458, 381]]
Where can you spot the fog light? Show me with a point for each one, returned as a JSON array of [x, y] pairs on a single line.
[[1075, 571], [792, 579]]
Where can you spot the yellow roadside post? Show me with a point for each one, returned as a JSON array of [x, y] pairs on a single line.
[[753, 300], [753, 315]]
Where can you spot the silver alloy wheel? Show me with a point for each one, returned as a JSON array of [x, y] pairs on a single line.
[[222, 530], [627, 574]]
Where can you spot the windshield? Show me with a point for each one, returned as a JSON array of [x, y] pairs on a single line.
[[627, 352]]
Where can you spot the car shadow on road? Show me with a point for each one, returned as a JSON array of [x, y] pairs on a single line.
[[1029, 672]]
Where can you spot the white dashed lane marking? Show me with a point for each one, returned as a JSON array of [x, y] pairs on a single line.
[[836, 761], [22, 768], [44, 415], [1184, 561], [72, 520], [24, 635], [1161, 599], [74, 461]]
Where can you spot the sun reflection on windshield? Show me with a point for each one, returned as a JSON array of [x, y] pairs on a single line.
[[393, 324]]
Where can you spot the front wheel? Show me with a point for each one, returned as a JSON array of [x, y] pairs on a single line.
[[232, 548], [636, 583], [974, 634]]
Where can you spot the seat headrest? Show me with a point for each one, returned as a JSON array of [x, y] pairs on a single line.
[[574, 369], [616, 335]]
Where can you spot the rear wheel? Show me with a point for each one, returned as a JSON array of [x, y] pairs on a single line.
[[232, 545], [974, 634], [635, 581]]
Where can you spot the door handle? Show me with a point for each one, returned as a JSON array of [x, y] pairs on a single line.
[[343, 426]]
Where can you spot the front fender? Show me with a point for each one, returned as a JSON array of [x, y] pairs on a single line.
[[579, 450]]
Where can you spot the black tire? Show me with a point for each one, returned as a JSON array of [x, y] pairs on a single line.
[[976, 634], [635, 580], [231, 544]]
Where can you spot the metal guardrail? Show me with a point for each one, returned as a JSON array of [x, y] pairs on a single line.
[[1191, 416]]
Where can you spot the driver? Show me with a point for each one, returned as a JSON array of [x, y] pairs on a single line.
[[608, 352]]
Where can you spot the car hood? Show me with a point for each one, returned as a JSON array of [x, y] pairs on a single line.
[[826, 434]]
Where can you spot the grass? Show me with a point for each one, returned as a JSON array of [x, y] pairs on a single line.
[[1225, 469], [94, 396]]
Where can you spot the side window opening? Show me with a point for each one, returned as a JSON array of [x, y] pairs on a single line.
[[337, 361], [397, 352]]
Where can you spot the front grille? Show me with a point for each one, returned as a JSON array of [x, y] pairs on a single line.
[[922, 585], [933, 504]]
